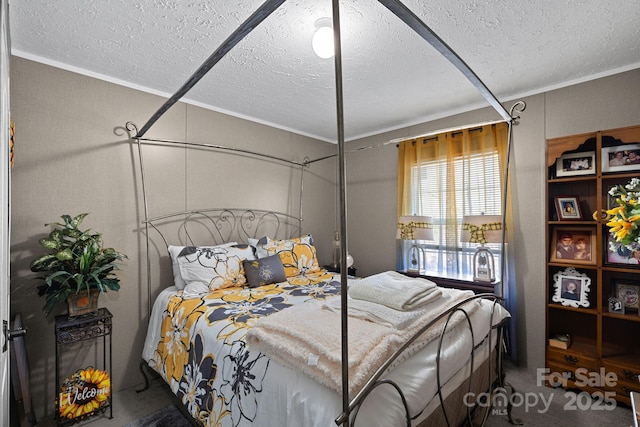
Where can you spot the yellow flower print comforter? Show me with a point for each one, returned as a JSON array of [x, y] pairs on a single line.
[[202, 353]]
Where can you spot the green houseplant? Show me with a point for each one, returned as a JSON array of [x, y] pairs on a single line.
[[75, 262]]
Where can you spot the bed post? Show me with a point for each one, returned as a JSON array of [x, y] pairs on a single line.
[[343, 213], [517, 107], [236, 37], [413, 22], [132, 128]]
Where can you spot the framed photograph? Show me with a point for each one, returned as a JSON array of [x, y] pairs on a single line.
[[621, 158], [568, 208], [576, 164], [616, 254], [574, 245], [615, 305], [629, 295], [571, 288]]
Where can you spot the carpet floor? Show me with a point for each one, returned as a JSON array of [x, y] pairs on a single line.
[[169, 416], [534, 404]]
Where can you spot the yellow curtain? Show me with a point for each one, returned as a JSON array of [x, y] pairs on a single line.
[[447, 151], [447, 147]]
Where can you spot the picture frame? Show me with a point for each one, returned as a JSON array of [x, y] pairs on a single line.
[[628, 294], [615, 305], [568, 208], [628, 255], [571, 288], [583, 163], [576, 245], [621, 158]]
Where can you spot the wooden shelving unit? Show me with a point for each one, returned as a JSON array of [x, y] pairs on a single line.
[[602, 341]]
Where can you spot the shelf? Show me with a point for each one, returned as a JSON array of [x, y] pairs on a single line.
[[619, 176], [624, 359], [624, 270], [631, 317], [579, 346], [572, 179], [587, 310], [574, 265], [571, 223], [600, 339]]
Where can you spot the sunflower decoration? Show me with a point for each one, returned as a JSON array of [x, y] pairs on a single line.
[[83, 393], [623, 220], [12, 133]]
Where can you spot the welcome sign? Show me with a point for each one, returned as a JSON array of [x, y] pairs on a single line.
[[83, 393]]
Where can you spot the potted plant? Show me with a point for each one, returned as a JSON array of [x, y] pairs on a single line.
[[77, 266]]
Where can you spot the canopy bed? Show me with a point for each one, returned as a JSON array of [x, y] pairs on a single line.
[[253, 332]]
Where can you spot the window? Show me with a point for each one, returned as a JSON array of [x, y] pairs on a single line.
[[446, 178], [477, 179]]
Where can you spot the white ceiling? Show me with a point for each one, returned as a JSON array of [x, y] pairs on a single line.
[[391, 77]]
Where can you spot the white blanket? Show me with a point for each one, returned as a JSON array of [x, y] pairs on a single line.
[[291, 398], [378, 313], [395, 290], [308, 338]]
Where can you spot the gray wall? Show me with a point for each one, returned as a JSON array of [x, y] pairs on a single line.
[[71, 158], [601, 104]]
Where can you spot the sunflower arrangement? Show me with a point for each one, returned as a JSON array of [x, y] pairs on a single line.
[[624, 220], [84, 393]]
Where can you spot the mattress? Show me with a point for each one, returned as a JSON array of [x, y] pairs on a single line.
[[221, 382]]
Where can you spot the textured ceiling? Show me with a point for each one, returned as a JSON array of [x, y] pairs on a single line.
[[391, 77]]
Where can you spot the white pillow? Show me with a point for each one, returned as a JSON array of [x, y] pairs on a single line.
[[215, 268], [174, 251], [259, 245]]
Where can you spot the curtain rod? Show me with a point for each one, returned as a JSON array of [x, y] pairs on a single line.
[[398, 140], [452, 129]]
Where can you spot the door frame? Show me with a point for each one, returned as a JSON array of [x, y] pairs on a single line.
[[5, 211]]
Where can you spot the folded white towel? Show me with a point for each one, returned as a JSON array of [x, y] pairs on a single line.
[[395, 290], [377, 313]]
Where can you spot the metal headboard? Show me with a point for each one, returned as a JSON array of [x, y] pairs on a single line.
[[221, 225], [211, 226]]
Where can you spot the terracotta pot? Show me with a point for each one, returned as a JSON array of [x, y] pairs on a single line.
[[83, 302]]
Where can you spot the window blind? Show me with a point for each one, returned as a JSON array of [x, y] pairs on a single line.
[[476, 190]]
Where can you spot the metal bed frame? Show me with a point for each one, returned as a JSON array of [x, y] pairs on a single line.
[[350, 406], [211, 227], [494, 376], [223, 224]]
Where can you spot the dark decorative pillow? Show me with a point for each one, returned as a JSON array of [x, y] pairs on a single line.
[[298, 255], [264, 271]]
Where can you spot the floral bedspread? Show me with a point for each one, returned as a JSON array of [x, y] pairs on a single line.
[[202, 353]]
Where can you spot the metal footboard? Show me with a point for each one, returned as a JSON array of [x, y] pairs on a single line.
[[493, 341]]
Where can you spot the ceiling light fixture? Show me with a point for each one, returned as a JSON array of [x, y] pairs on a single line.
[[322, 41]]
